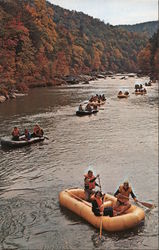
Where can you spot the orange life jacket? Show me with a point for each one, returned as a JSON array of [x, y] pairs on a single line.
[[124, 193], [99, 202], [91, 184], [36, 129], [15, 132]]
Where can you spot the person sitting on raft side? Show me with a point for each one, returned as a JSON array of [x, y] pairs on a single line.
[[37, 132], [144, 91], [140, 87], [120, 92], [80, 108], [94, 106], [27, 135], [91, 99], [103, 98], [122, 195], [126, 92], [89, 184], [88, 108], [98, 207], [15, 134]]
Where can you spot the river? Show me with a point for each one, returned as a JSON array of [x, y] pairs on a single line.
[[119, 142]]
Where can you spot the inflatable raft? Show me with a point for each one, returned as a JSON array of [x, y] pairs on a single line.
[[82, 113], [97, 103], [73, 199], [140, 93], [122, 96], [8, 142]]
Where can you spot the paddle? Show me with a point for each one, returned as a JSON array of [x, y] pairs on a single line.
[[101, 219], [146, 204], [99, 184]]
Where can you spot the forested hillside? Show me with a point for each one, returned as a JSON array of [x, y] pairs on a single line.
[[148, 58], [40, 42], [149, 28]]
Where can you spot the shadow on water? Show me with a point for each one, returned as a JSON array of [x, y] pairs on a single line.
[[27, 148], [72, 217]]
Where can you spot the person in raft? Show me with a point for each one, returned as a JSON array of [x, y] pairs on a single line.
[[122, 195], [90, 184], [37, 132], [15, 134], [98, 207], [80, 108], [88, 108], [27, 134]]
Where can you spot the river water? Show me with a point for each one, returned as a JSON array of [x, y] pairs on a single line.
[[119, 142]]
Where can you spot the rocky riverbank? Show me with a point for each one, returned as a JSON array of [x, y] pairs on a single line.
[[12, 92], [7, 93]]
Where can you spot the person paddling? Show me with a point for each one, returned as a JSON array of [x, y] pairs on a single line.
[[38, 131], [89, 184], [122, 195], [80, 108], [88, 108], [15, 134], [98, 207], [27, 134]]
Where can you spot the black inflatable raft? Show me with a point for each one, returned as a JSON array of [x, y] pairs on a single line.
[[82, 113], [8, 142]]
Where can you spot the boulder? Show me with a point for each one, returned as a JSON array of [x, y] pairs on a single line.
[[2, 98]]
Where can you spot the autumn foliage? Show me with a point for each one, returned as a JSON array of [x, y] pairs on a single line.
[[148, 58], [40, 42]]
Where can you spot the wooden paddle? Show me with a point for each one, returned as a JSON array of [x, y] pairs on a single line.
[[101, 219], [100, 234], [146, 204]]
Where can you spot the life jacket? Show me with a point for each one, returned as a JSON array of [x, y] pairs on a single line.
[[99, 202], [36, 130], [90, 184], [124, 192], [15, 132], [26, 132]]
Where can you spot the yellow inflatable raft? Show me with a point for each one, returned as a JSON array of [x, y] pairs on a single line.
[[73, 199], [122, 96], [140, 93]]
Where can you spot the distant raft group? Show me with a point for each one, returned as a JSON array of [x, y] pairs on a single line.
[[92, 105], [122, 94], [139, 90]]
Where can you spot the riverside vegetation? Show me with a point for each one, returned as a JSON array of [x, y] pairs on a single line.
[[43, 45]]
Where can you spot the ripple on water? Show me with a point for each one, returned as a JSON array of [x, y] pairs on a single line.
[[119, 142]]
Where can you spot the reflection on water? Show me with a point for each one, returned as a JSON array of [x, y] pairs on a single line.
[[119, 142]]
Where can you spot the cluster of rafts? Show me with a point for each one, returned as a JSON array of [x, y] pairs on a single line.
[[74, 200], [92, 106], [139, 90]]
